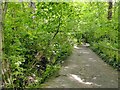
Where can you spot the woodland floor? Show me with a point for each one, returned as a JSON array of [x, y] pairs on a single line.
[[84, 69]]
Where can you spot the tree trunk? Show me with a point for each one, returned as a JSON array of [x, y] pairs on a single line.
[[0, 43], [32, 6], [3, 9], [110, 10], [119, 28]]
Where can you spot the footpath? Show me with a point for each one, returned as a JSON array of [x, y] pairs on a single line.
[[84, 69]]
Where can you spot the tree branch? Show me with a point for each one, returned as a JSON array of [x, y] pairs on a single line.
[[57, 31]]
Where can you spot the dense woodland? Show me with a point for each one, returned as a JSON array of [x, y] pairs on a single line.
[[38, 36]]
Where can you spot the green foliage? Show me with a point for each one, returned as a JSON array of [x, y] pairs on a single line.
[[101, 33], [37, 39], [34, 45]]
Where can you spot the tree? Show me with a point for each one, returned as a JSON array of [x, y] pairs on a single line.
[[0, 36], [110, 10]]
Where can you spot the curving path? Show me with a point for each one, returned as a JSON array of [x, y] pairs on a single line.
[[84, 69]]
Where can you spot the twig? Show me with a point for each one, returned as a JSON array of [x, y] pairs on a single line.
[[57, 31]]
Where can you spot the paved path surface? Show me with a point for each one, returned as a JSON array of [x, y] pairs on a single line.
[[84, 69]]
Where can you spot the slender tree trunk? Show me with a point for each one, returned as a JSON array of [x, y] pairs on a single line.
[[119, 28], [119, 42], [32, 6], [3, 10], [110, 10], [0, 42]]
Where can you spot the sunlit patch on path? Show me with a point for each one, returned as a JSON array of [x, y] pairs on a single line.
[[76, 47], [77, 78]]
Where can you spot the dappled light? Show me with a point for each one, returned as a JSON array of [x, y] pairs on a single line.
[[75, 77], [76, 43]]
